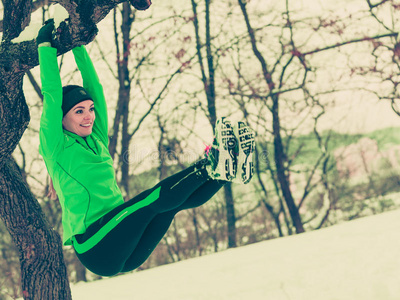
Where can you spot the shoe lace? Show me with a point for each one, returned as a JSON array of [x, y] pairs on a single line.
[[207, 149]]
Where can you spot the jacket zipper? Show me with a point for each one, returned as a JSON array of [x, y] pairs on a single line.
[[88, 145]]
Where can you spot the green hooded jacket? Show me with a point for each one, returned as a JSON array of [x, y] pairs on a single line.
[[81, 168]]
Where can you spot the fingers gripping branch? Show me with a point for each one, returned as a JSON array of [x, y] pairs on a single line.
[[78, 30], [83, 17]]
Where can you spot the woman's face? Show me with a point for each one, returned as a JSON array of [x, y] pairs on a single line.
[[80, 118]]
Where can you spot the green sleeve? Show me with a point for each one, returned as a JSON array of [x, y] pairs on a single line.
[[51, 133], [93, 86]]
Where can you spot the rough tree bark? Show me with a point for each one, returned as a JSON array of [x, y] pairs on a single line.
[[43, 271]]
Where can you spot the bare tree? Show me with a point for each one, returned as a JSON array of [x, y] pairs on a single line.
[[283, 85], [386, 55], [279, 153], [43, 273], [208, 71], [134, 56]]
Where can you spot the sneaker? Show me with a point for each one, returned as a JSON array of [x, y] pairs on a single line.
[[223, 152], [246, 138]]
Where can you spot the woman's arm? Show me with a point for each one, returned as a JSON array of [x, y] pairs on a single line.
[[51, 133], [93, 86]]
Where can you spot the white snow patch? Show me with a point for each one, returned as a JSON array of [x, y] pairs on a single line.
[[29, 33], [354, 260]]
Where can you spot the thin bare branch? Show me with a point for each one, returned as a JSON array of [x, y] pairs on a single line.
[[363, 39], [371, 6], [35, 84], [155, 101]]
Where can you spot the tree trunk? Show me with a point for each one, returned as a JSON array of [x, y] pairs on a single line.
[[268, 206], [43, 272], [230, 215], [280, 157], [80, 270], [125, 94], [209, 88], [196, 231]]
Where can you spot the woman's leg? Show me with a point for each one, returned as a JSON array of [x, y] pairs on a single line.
[[157, 228], [202, 194], [120, 230], [149, 240], [107, 257], [176, 189]]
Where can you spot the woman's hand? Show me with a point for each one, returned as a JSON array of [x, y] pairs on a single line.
[[45, 35]]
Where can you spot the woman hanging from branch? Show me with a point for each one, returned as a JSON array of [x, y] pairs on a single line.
[[109, 235]]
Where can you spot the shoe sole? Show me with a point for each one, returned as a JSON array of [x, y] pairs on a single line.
[[227, 150], [246, 138]]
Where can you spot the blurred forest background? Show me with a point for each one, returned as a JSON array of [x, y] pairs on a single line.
[[317, 81]]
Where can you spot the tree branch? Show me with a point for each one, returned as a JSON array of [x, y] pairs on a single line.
[[155, 102], [17, 15], [35, 6], [79, 29], [371, 6], [364, 39], [35, 85]]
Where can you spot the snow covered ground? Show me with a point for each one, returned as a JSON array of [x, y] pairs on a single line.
[[354, 260]]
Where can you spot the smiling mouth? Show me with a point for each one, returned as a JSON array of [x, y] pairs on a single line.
[[86, 125]]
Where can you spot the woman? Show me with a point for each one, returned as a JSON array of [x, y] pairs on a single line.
[[108, 235]]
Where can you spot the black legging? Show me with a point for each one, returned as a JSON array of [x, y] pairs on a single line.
[[130, 242]]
